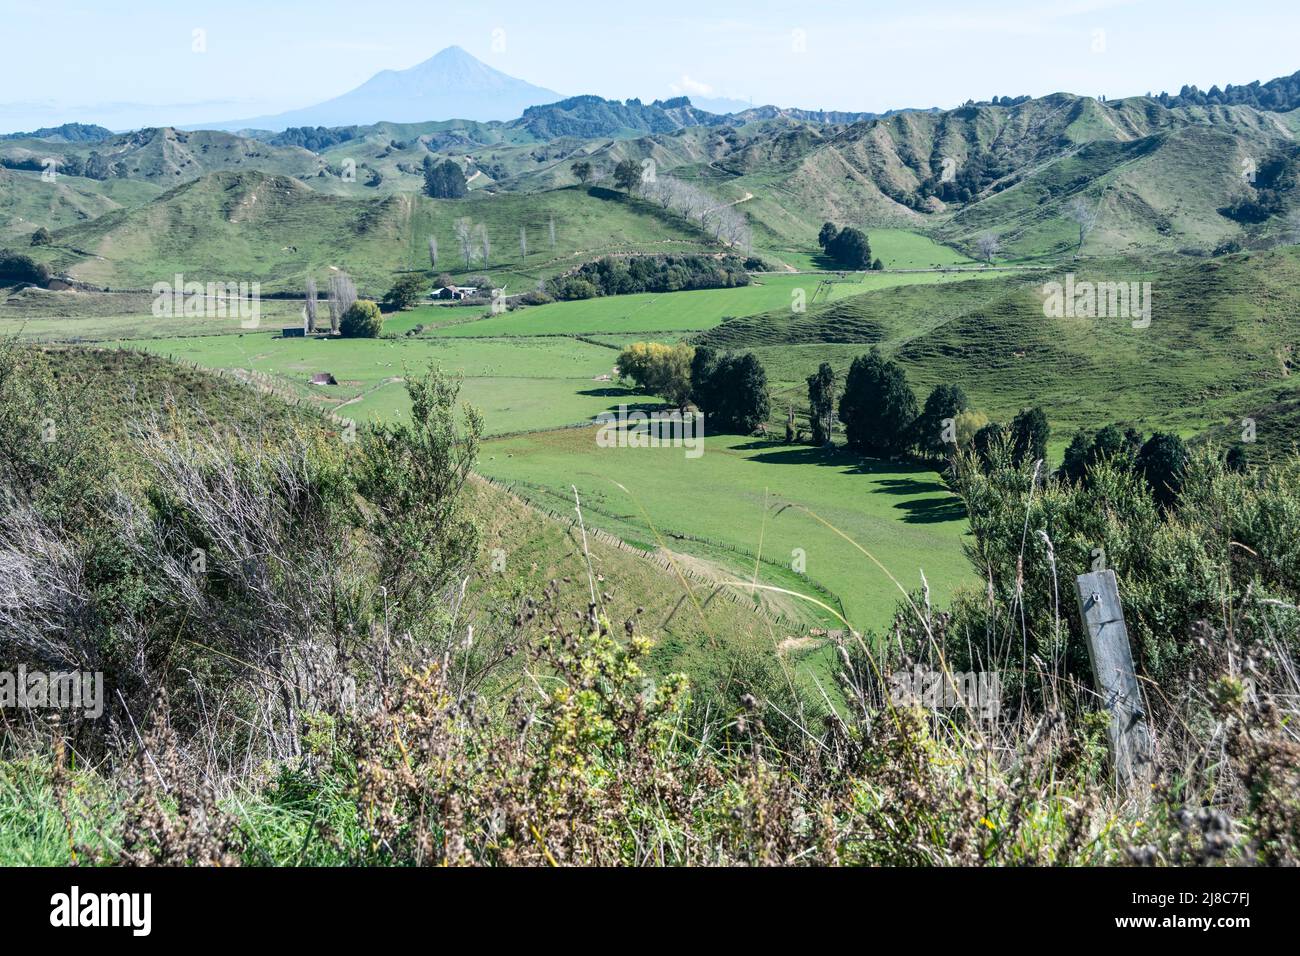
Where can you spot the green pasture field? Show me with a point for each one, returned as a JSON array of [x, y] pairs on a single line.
[[744, 497], [517, 383], [671, 311], [895, 248]]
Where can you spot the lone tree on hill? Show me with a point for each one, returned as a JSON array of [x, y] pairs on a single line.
[[1084, 215], [444, 180], [433, 253], [627, 175], [988, 245], [582, 170]]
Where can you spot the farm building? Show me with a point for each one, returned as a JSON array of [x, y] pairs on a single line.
[[454, 292]]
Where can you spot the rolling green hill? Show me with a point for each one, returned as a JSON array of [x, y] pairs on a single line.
[[27, 202], [272, 229], [1221, 341], [1156, 176]]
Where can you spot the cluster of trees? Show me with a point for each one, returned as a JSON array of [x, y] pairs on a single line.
[[1279, 95], [848, 247], [16, 267], [1274, 178], [723, 221], [68, 133], [474, 241], [1161, 459], [342, 296], [968, 179], [315, 138], [1026, 437], [881, 418], [444, 180], [615, 276], [95, 167], [730, 388], [28, 162]]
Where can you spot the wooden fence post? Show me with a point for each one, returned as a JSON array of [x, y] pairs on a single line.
[[1131, 743]]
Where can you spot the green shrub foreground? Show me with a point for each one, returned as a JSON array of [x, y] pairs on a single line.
[[280, 614]]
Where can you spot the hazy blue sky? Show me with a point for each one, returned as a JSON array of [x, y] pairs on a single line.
[[131, 63]]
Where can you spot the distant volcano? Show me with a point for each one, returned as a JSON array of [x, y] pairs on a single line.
[[450, 85]]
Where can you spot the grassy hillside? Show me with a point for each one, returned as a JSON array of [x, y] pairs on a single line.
[[1222, 336], [1157, 175], [518, 383], [27, 202], [275, 230], [668, 312], [1161, 192]]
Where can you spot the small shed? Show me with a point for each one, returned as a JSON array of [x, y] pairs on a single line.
[[324, 378]]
